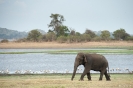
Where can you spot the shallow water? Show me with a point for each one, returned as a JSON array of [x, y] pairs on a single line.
[[52, 63]]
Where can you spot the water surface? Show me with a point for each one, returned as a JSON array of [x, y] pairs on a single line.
[[60, 63]]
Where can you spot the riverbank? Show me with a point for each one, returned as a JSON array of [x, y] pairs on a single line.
[[55, 45], [64, 81], [66, 51]]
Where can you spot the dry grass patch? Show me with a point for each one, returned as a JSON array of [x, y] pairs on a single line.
[[116, 44], [63, 81]]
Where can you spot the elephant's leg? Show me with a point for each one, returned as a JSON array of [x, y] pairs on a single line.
[[107, 76], [83, 74], [89, 76], [101, 75]]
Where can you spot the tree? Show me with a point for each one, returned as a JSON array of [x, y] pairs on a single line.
[[105, 35], [63, 31], [130, 38], [86, 37], [62, 39], [72, 32], [34, 35], [50, 36], [57, 25], [71, 37], [91, 33], [56, 21], [120, 34], [77, 34], [97, 38], [4, 41]]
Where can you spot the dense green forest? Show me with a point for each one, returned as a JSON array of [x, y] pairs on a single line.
[[62, 33]]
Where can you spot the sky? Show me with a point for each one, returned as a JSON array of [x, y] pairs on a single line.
[[96, 15]]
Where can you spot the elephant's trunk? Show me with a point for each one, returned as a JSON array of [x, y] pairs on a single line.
[[74, 71]]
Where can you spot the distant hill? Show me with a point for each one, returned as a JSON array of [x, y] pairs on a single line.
[[11, 34]]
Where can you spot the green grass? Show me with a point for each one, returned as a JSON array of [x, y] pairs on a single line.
[[64, 81], [102, 51], [123, 51]]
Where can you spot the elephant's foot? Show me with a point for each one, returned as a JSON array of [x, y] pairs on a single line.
[[108, 80], [89, 78], [81, 79], [100, 79], [71, 79]]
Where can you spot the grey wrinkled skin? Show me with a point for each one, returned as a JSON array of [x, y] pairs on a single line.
[[94, 62]]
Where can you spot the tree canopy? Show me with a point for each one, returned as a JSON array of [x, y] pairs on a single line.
[[34, 35], [120, 34], [105, 35], [91, 33], [57, 25]]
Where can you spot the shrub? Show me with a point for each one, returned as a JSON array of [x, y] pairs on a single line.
[[50, 36], [62, 39], [4, 41], [21, 40], [97, 38]]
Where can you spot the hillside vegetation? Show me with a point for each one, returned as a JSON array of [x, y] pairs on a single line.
[[11, 34]]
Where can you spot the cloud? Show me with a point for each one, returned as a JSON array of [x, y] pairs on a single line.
[[20, 4]]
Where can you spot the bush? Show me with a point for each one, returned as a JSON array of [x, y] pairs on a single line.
[[21, 40], [34, 35], [4, 41], [86, 37], [62, 39], [97, 38], [50, 36], [130, 38]]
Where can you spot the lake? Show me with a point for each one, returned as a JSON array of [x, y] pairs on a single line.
[[55, 63]]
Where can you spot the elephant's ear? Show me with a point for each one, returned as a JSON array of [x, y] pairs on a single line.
[[85, 58]]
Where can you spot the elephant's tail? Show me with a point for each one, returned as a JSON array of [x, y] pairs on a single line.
[[108, 71]]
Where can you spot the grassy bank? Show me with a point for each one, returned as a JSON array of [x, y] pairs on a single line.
[[101, 51], [75, 51], [116, 47], [63, 81]]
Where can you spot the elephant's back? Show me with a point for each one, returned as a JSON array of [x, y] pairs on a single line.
[[98, 58], [98, 61]]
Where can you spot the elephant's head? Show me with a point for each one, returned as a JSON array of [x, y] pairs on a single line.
[[79, 60]]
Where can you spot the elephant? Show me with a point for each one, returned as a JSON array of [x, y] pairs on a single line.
[[94, 62]]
